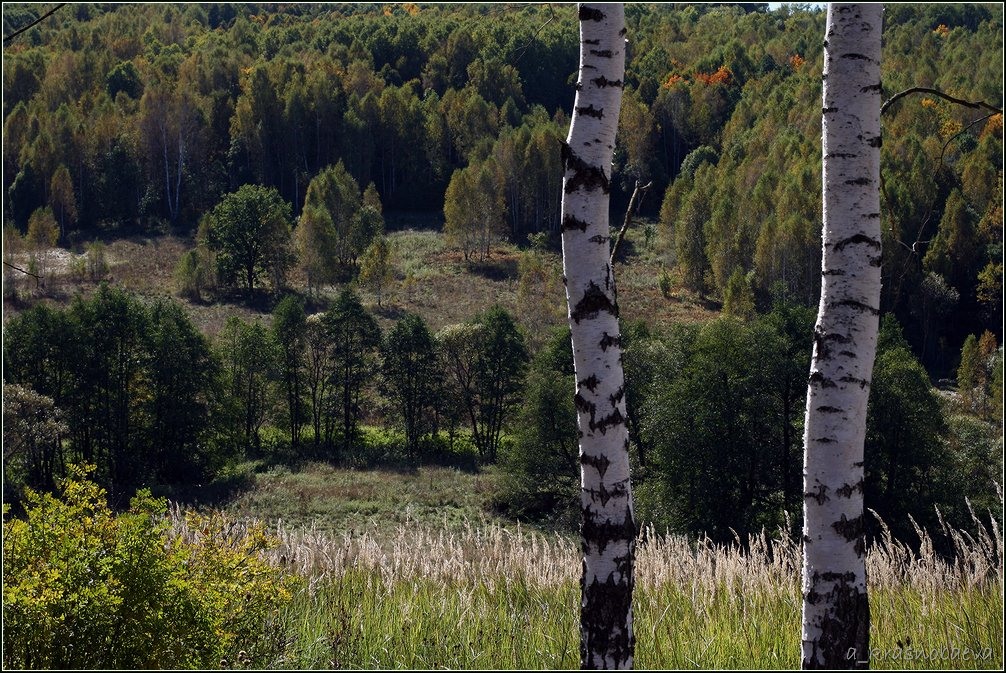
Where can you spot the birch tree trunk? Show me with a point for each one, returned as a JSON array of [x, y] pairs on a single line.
[[607, 525], [836, 615]]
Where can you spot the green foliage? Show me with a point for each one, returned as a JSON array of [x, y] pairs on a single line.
[[250, 357], [125, 78], [904, 425], [697, 157], [193, 274], [249, 230], [354, 338], [664, 282], [497, 375], [132, 380], [474, 210], [85, 588], [375, 267], [722, 429], [95, 260], [541, 469], [43, 230], [32, 430], [289, 329], [411, 374], [738, 297], [332, 233]]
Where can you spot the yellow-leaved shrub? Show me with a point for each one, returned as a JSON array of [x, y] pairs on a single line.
[[84, 587]]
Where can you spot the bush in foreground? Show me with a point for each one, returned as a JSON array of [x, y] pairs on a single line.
[[86, 588]]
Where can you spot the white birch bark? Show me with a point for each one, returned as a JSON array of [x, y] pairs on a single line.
[[836, 619], [607, 524]]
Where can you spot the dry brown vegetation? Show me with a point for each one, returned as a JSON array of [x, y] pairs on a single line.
[[430, 279]]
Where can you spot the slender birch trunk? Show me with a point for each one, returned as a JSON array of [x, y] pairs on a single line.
[[836, 615], [608, 528]]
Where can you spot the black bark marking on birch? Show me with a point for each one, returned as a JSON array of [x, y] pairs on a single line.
[[824, 440], [572, 222], [590, 42], [821, 496], [833, 272], [601, 53], [599, 239], [849, 529], [564, 280], [858, 463], [849, 378], [617, 396], [587, 66], [875, 141], [593, 302], [859, 181], [872, 87], [617, 490], [872, 216], [847, 354], [844, 642], [584, 175], [876, 260], [601, 534], [602, 82], [605, 634], [856, 57], [584, 405], [590, 111], [822, 339], [622, 32], [825, 409], [590, 14], [608, 340], [599, 463], [840, 155], [812, 596], [613, 419], [846, 490], [858, 305], [858, 238], [821, 380], [590, 383], [828, 110]]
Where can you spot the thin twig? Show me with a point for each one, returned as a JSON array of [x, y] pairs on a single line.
[[936, 92], [37, 278], [637, 193], [37, 21], [520, 52]]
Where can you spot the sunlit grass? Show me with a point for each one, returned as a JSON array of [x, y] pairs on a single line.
[[487, 596]]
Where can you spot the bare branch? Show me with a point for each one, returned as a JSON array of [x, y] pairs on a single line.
[[637, 194], [936, 92], [520, 52], [37, 21], [37, 278]]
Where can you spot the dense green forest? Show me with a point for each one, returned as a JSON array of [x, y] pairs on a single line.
[[318, 122]]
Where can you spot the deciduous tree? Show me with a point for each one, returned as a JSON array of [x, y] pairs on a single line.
[[608, 526], [355, 337], [249, 230], [410, 377], [836, 615]]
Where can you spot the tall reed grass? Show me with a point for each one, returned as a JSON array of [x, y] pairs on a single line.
[[494, 597]]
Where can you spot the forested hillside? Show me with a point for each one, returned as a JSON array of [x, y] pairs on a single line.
[[299, 264], [323, 122], [134, 115]]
